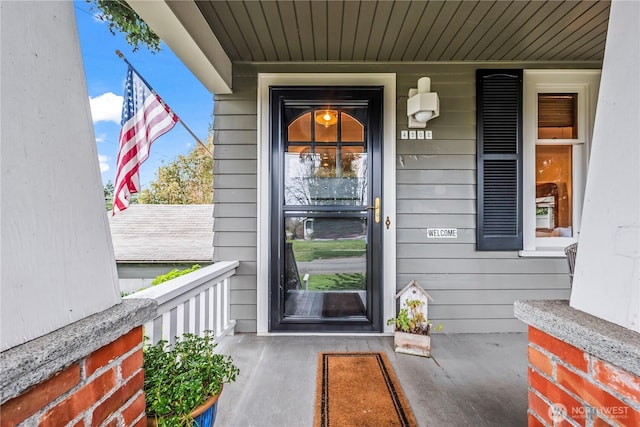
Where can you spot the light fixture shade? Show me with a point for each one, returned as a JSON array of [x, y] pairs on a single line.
[[423, 116], [326, 117], [422, 105]]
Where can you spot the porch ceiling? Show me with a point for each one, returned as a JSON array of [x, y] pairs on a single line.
[[210, 35], [411, 31]]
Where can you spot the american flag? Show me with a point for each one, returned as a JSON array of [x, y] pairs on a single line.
[[145, 117]]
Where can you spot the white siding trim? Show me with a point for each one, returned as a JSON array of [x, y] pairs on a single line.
[[388, 81]]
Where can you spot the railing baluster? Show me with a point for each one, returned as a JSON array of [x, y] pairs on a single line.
[[166, 326], [193, 309], [219, 328], [173, 324], [180, 319], [201, 313], [157, 329], [211, 308], [226, 289]]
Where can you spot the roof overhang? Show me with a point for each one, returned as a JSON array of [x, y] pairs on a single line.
[[183, 28]]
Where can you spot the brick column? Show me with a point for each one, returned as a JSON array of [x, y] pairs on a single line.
[[583, 370], [88, 373], [571, 387], [102, 389]]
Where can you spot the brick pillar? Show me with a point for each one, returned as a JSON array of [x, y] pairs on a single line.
[[568, 386], [104, 388]]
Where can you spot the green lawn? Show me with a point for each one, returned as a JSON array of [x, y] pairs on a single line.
[[336, 282], [308, 250]]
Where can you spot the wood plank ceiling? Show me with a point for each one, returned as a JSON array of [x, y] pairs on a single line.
[[409, 31]]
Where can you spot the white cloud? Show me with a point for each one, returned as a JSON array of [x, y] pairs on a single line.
[[106, 107], [104, 166], [101, 138]]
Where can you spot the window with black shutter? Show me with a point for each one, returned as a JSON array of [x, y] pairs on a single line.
[[499, 160]]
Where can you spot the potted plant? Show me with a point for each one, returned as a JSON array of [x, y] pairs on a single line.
[[182, 382], [412, 333]]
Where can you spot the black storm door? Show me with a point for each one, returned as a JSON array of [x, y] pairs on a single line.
[[326, 190]]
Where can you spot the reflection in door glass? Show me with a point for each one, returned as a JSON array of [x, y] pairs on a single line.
[[325, 267], [326, 177]]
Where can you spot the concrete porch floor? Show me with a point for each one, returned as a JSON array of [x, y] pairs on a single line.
[[471, 380]]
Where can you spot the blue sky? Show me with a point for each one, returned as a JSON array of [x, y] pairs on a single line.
[[166, 74]]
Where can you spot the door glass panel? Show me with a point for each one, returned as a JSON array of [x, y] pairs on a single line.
[[327, 175], [352, 129], [325, 266], [325, 126], [300, 129], [327, 161]]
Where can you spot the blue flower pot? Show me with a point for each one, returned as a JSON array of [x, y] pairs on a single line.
[[207, 418], [205, 415]]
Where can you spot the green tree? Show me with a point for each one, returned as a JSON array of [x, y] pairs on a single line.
[[108, 195], [119, 16], [188, 180]]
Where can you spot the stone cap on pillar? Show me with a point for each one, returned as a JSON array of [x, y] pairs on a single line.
[[610, 342]]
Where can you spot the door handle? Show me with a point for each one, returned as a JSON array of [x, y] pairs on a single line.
[[376, 209]]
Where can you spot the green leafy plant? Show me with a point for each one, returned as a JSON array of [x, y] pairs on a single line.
[[181, 377], [120, 16], [173, 274], [410, 319]]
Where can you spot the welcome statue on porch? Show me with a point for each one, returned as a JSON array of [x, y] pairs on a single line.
[[412, 333]]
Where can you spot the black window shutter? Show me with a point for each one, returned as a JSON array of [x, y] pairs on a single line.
[[499, 157]]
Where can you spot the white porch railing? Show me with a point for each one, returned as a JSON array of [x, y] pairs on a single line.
[[193, 303]]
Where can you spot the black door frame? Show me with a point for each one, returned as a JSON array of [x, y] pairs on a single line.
[[335, 96]]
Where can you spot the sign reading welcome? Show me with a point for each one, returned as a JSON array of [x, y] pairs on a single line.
[[442, 233]]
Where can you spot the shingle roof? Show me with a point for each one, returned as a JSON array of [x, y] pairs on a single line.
[[163, 233]]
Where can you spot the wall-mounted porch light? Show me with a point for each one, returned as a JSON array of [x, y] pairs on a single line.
[[422, 105]]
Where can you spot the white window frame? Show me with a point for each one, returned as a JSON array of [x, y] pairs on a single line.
[[585, 83]]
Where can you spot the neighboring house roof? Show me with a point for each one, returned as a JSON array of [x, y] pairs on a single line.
[[163, 233]]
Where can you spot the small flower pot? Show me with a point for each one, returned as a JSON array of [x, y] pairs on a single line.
[[416, 344]]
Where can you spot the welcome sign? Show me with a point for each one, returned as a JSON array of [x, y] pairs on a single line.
[[442, 233]]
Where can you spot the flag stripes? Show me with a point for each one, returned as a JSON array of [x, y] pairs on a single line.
[[145, 117]]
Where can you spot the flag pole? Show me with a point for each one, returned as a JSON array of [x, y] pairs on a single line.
[[164, 104]]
